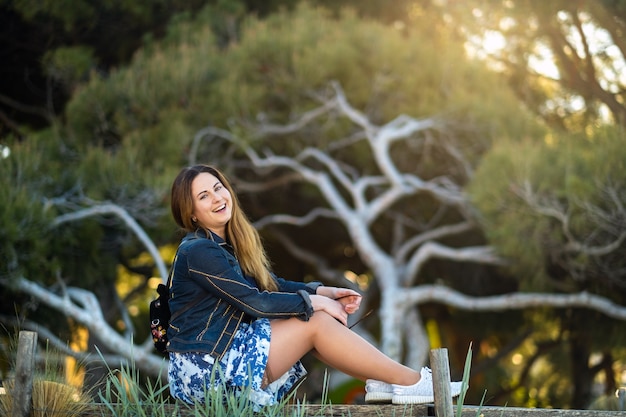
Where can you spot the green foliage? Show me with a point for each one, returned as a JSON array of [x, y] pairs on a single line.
[[281, 61], [579, 176], [125, 395], [156, 90], [72, 13], [69, 64], [465, 385], [23, 216], [152, 108], [568, 80], [275, 69]]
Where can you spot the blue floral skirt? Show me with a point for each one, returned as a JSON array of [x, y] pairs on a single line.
[[241, 370]]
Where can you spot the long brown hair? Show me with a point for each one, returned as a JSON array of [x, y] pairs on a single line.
[[240, 233]]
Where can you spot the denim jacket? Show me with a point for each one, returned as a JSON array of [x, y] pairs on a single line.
[[205, 263]]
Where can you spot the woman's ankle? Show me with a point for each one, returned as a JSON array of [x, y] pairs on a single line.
[[409, 380]]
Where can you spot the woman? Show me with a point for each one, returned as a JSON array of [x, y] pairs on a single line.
[[255, 325]]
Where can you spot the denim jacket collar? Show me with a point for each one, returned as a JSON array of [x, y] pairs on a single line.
[[207, 233]]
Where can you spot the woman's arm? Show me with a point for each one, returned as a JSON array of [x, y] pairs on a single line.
[[349, 299], [211, 270], [333, 307], [293, 286]]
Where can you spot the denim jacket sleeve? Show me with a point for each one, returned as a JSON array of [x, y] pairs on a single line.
[[293, 286], [218, 273]]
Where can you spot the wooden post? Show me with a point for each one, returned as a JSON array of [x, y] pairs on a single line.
[[22, 395], [441, 382], [621, 398]]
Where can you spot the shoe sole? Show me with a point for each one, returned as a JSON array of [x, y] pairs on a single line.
[[378, 397], [416, 399], [412, 399]]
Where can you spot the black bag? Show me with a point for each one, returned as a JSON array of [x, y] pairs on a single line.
[[160, 315]]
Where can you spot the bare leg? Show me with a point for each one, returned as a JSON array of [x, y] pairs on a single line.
[[335, 345]]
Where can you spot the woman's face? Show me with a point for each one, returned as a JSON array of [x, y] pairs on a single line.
[[212, 203]]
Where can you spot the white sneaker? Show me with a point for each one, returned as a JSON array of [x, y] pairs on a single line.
[[455, 388], [421, 392], [378, 391]]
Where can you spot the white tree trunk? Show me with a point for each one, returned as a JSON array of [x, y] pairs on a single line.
[[391, 313]]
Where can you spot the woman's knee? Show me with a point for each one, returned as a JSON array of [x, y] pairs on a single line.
[[322, 318]]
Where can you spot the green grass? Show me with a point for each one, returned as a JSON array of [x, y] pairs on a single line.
[[124, 395], [465, 386]]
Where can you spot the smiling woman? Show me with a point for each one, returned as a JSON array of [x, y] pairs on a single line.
[[212, 203], [250, 330]]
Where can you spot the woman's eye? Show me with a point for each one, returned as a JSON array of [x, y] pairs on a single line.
[[218, 187]]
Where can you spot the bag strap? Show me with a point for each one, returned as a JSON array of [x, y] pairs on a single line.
[[169, 277]]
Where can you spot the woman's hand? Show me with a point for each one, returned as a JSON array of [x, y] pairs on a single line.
[[333, 307], [349, 299]]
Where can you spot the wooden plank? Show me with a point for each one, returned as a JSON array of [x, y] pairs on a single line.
[[308, 410], [22, 391], [471, 411], [390, 410], [378, 410], [425, 410], [441, 382]]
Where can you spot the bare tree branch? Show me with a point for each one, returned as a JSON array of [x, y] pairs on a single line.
[[304, 119], [257, 187], [432, 234], [24, 108], [552, 208], [205, 133], [63, 346], [310, 217], [514, 301], [82, 306], [354, 115], [129, 221], [430, 250], [334, 169]]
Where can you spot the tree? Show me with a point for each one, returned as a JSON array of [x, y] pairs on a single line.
[[558, 210], [48, 49], [564, 59], [82, 306], [359, 201], [63, 239]]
